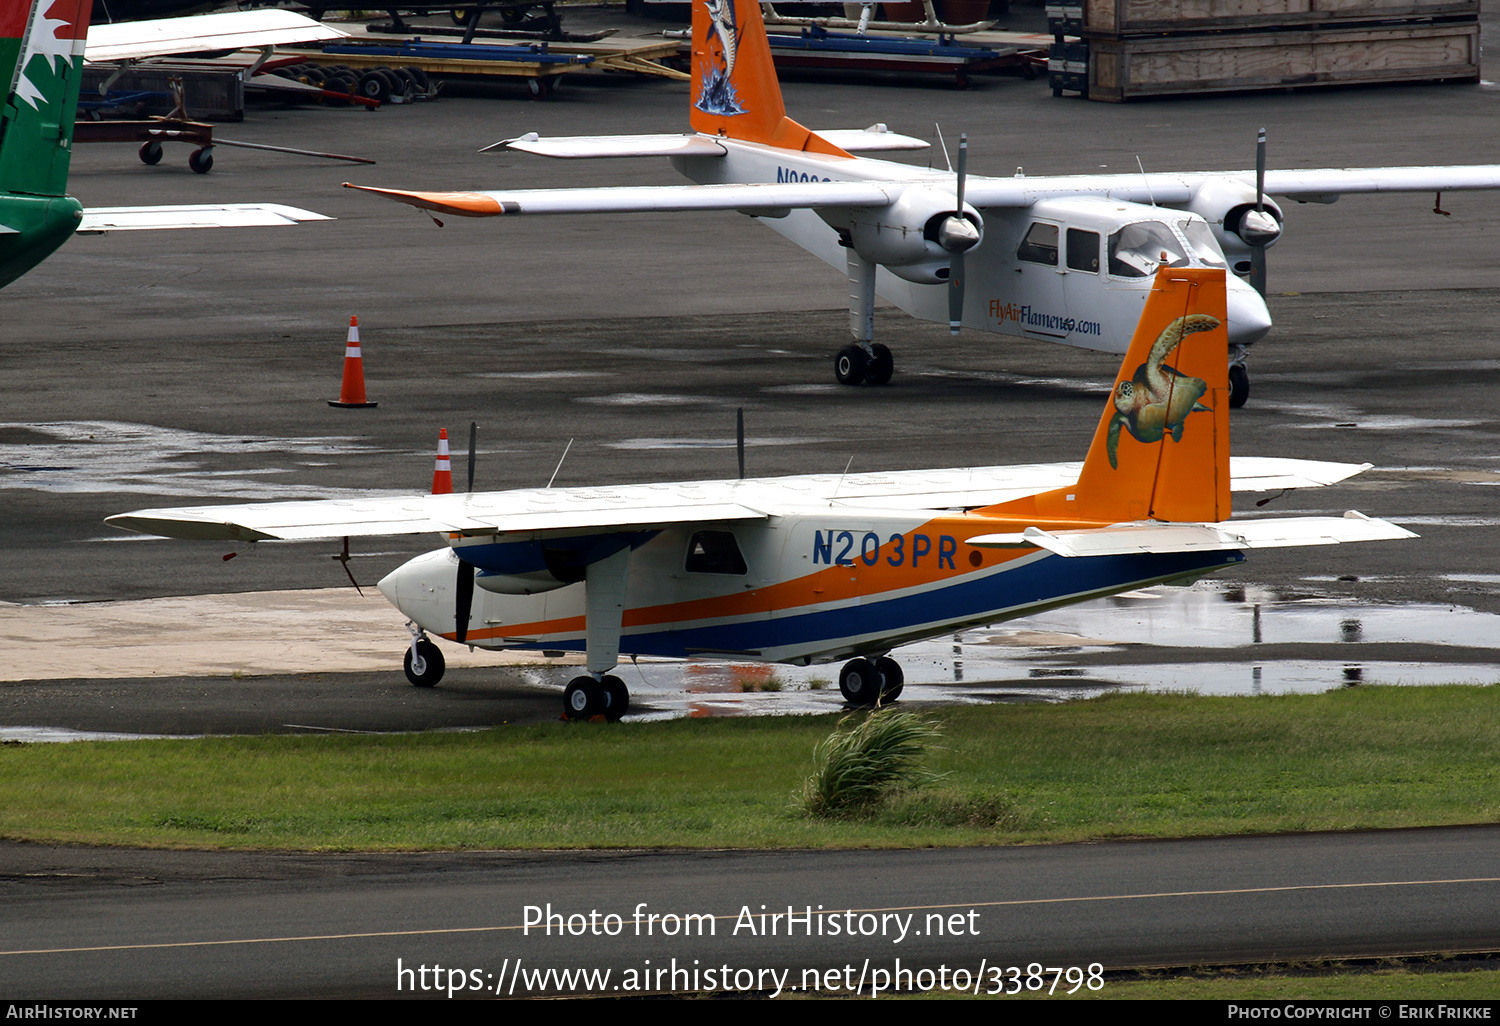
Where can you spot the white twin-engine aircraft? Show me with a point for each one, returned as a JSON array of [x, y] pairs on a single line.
[[818, 568], [1064, 259]]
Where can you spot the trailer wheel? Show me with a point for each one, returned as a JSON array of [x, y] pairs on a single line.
[[373, 86], [201, 161], [539, 88], [150, 153]]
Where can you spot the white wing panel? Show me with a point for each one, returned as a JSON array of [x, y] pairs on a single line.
[[651, 505], [236, 30]]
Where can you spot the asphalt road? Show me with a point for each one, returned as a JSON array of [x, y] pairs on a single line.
[[117, 924], [169, 368]]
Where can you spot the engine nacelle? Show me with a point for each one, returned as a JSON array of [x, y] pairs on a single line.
[[1228, 205], [903, 237], [518, 584]]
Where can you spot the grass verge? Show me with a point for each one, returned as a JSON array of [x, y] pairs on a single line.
[[1121, 766]]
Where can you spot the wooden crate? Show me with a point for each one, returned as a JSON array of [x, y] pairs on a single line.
[[1127, 17], [1129, 68]]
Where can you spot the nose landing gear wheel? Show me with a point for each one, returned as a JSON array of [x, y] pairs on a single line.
[[425, 666], [851, 365], [1239, 386]]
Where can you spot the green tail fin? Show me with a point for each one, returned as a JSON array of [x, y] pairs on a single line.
[[41, 63]]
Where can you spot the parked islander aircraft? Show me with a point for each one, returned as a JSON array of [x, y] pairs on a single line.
[[1066, 259], [819, 568], [41, 61]]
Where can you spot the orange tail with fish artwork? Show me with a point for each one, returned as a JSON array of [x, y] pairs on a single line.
[[735, 91], [1161, 450]]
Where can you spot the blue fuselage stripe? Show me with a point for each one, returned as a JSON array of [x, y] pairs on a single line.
[[1034, 583]]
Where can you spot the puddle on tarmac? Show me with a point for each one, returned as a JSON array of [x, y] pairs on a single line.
[[1032, 659]]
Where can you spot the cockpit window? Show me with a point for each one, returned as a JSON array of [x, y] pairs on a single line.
[[714, 552], [1040, 244], [1136, 250], [1205, 246]]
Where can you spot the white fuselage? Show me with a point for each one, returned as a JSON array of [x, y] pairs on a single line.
[[1081, 298]]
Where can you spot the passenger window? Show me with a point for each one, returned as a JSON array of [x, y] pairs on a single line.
[[714, 552], [1040, 245], [1083, 250]]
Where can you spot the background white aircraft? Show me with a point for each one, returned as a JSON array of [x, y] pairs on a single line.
[[1066, 259], [818, 568]]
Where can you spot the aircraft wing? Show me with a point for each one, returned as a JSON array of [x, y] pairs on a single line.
[[1313, 185], [1131, 539], [98, 220], [646, 507], [236, 30], [766, 198]]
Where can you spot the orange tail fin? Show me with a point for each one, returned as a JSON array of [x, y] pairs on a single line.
[[1161, 451], [735, 91]]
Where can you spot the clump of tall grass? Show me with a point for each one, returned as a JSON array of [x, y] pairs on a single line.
[[858, 765]]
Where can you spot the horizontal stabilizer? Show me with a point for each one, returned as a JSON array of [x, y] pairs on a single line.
[[875, 139], [236, 30], [202, 215], [1133, 539]]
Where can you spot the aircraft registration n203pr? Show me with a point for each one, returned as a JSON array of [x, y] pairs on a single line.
[[822, 568], [1058, 258]]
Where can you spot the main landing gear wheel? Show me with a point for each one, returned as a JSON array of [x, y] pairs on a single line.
[[850, 365], [881, 367], [616, 698], [586, 698], [1239, 386], [892, 680], [859, 682], [424, 666]]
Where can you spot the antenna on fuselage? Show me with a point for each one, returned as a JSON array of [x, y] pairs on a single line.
[[473, 438], [1145, 178], [944, 144], [560, 463], [739, 437]]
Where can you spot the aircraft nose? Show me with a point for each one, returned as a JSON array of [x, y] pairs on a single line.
[[1249, 319]]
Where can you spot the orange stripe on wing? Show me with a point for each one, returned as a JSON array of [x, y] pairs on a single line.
[[464, 204]]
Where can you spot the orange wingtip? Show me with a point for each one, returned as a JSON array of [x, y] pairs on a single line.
[[464, 204]]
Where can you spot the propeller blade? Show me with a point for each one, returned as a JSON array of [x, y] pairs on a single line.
[[1258, 253], [956, 265], [463, 600], [956, 293], [1260, 170], [963, 169]]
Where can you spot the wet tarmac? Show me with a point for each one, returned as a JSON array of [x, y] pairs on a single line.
[[195, 366]]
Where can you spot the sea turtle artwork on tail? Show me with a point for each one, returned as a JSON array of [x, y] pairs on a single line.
[[1157, 399]]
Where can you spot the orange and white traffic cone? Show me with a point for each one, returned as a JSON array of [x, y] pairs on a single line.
[[442, 474], [353, 392]]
